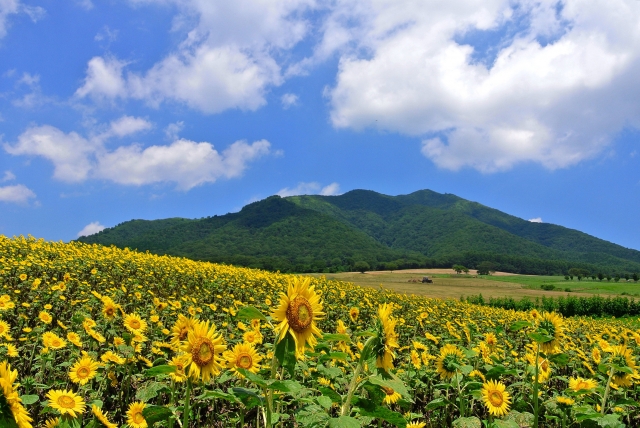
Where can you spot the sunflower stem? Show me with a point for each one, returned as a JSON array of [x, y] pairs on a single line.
[[606, 391], [187, 398], [352, 388]]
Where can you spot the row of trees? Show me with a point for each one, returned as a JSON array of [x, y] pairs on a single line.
[[579, 274]]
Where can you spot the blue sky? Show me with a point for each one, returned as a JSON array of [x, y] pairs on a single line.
[[146, 109]]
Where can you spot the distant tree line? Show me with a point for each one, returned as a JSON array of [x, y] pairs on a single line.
[[485, 263], [592, 306]]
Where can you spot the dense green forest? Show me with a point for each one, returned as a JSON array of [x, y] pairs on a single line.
[[363, 228]]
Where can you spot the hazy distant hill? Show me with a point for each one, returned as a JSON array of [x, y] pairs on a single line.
[[422, 229]]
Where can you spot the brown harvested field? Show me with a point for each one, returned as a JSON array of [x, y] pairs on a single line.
[[443, 286]]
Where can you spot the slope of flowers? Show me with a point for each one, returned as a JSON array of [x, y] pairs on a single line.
[[97, 336]]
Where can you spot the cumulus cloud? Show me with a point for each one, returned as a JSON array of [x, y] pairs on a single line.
[[226, 60], [70, 153], [91, 228], [289, 100], [104, 79], [536, 220], [186, 163], [555, 85], [18, 194], [7, 7], [173, 129], [311, 188], [127, 125]]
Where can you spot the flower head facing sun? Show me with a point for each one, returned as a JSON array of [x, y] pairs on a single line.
[[243, 356], [203, 348], [134, 415], [66, 402], [495, 398], [579, 384], [298, 312], [83, 370]]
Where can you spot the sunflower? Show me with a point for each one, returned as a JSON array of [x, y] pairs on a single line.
[[552, 324], [416, 424], [387, 338], [4, 329], [83, 370], [66, 402], [74, 338], [298, 312], [580, 384], [621, 356], [353, 314], [243, 356], [56, 342], [181, 329], [495, 398], [45, 317], [203, 347], [134, 323], [8, 387], [415, 359], [391, 396], [52, 422], [111, 357], [109, 308], [252, 336], [491, 340], [102, 417], [565, 401], [134, 415], [180, 362], [450, 358]]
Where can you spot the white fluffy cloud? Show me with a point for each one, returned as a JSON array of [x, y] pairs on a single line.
[[186, 163], [91, 228], [70, 153], [556, 92], [18, 194], [536, 220], [311, 188], [226, 60], [127, 125]]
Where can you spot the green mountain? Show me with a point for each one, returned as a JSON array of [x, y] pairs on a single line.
[[333, 233]]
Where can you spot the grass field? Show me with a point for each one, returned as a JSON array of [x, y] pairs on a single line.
[[447, 284]]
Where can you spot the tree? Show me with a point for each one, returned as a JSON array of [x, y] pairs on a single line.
[[635, 277], [459, 269], [485, 268], [362, 266], [600, 276], [617, 277]]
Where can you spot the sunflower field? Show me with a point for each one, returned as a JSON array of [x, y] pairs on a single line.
[[94, 336]]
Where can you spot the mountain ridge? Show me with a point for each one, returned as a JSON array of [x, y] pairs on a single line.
[[325, 233]]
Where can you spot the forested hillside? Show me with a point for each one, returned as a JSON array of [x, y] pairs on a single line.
[[334, 233]]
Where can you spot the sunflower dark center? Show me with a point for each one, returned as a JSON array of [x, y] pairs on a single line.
[[202, 352], [83, 372], [244, 361], [134, 324], [299, 314]]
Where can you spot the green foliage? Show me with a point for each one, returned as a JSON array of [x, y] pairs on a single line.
[[593, 306]]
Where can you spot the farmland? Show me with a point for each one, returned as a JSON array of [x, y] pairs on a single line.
[[94, 336], [447, 284]]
